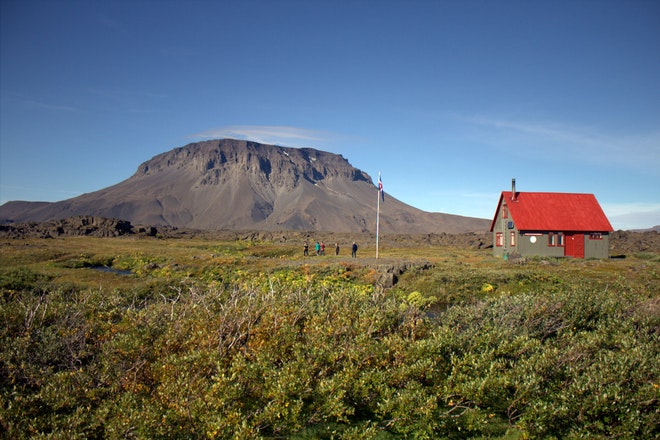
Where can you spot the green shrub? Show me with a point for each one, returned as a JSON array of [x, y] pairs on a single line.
[[22, 279], [242, 350]]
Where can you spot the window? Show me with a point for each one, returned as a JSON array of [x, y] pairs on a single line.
[[499, 239], [505, 211], [513, 238], [556, 239], [595, 236]]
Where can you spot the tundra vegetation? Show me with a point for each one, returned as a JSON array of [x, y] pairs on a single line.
[[249, 339]]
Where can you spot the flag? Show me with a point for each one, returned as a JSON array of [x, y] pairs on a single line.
[[380, 188]]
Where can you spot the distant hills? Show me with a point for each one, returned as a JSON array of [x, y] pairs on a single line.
[[242, 185], [655, 228]]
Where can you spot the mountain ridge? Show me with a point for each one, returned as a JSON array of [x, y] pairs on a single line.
[[235, 184]]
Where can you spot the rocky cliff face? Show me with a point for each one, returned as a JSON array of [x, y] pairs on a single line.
[[232, 184], [216, 161]]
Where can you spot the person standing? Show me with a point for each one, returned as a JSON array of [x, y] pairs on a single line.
[[336, 248], [318, 248], [354, 250], [305, 249], [322, 248]]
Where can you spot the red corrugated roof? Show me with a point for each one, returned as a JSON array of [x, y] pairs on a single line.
[[535, 211]]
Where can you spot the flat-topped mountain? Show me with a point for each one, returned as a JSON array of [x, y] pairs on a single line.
[[234, 184]]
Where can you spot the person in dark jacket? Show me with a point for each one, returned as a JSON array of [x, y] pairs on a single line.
[[354, 250]]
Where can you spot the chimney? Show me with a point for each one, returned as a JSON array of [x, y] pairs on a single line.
[[513, 190]]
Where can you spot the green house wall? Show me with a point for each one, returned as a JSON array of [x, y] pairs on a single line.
[[535, 243]]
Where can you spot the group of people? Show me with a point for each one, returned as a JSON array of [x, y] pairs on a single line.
[[319, 247]]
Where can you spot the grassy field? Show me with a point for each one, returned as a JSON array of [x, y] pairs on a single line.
[[200, 338]]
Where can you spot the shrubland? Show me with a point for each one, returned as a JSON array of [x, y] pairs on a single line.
[[249, 339]]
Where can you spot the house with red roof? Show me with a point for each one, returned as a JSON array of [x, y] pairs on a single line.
[[550, 224]]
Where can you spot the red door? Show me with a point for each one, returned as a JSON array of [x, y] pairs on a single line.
[[574, 245]]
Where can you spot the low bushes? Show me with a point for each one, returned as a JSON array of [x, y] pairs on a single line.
[[318, 355]]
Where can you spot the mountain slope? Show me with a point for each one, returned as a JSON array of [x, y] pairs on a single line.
[[232, 184]]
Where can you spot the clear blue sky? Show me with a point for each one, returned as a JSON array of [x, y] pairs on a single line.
[[448, 99]]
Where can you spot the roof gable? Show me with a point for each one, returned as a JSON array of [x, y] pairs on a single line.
[[543, 211]]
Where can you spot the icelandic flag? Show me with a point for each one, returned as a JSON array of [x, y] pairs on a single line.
[[380, 188]]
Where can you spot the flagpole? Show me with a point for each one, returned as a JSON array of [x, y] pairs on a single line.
[[379, 194], [377, 218]]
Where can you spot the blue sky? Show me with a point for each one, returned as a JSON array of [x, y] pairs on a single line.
[[449, 100]]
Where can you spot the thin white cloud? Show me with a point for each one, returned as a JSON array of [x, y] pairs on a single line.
[[279, 135], [640, 151], [627, 208], [48, 106], [632, 215]]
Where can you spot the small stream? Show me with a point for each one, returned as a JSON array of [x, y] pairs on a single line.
[[111, 270]]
